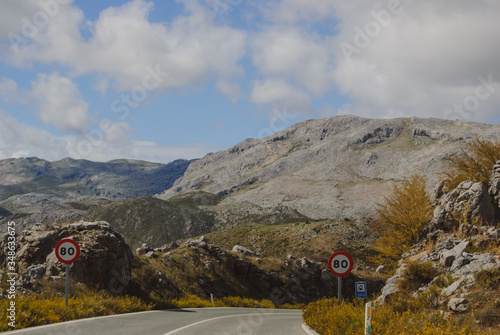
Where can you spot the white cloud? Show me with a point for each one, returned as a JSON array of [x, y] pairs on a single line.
[[60, 103], [8, 90], [123, 43], [296, 55], [12, 14], [421, 59], [424, 58], [292, 11], [20, 140], [231, 89], [278, 92]]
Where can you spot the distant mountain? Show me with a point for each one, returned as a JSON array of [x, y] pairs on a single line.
[[329, 168], [36, 182]]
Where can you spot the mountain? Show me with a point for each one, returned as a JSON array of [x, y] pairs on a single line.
[[28, 184], [329, 168]]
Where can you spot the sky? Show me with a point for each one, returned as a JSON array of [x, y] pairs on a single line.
[[164, 80]]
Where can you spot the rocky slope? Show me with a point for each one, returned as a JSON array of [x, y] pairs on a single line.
[[461, 245], [105, 260], [328, 168], [194, 267]]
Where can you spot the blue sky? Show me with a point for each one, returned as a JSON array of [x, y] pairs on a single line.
[[161, 80]]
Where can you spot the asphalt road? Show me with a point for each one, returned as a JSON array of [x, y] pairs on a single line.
[[192, 321]]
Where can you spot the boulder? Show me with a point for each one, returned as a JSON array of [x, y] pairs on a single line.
[[242, 250], [391, 285], [143, 250], [105, 259], [494, 189], [458, 305], [468, 196], [36, 271]]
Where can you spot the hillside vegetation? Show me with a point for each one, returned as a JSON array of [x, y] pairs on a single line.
[[448, 279]]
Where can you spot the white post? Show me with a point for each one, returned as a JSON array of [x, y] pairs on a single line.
[[368, 318], [212, 298]]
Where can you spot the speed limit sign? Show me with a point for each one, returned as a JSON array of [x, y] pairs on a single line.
[[67, 251], [340, 263]]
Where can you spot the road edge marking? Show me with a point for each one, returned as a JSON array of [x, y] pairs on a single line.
[[308, 330]]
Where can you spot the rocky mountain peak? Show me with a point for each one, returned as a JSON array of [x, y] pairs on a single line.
[[329, 168]]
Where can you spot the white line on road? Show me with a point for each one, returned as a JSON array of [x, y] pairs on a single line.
[[223, 317]]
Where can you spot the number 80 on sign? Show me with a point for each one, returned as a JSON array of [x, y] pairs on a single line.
[[67, 251], [340, 263]]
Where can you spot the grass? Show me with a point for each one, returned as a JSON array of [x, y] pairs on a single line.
[[299, 238], [326, 316], [37, 310]]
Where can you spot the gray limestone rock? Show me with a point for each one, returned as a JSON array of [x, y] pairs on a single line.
[[242, 250], [458, 305]]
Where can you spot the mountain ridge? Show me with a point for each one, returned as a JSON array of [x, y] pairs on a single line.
[[330, 168]]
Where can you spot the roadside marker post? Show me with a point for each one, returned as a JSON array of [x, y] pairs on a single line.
[[340, 264], [368, 318], [67, 251]]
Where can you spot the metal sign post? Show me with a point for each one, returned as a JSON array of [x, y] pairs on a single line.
[[340, 264], [67, 251], [340, 289], [67, 284]]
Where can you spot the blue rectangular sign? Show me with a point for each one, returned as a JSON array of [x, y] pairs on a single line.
[[361, 290]]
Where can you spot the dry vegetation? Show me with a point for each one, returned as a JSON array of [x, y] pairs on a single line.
[[474, 162], [401, 219]]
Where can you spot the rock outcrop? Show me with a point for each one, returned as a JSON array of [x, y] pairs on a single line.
[[105, 260], [448, 257], [495, 189], [469, 197], [296, 281], [478, 206]]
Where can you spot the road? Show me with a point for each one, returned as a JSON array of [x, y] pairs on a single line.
[[192, 321]]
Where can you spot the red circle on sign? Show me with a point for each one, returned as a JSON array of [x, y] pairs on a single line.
[[63, 251], [342, 269]]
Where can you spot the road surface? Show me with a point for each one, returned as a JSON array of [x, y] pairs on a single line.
[[191, 321]]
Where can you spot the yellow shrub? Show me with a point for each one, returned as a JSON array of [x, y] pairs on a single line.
[[328, 318], [401, 218], [475, 163], [35, 310]]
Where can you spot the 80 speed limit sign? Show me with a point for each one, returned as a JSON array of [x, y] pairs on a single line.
[[340, 263], [67, 251]]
